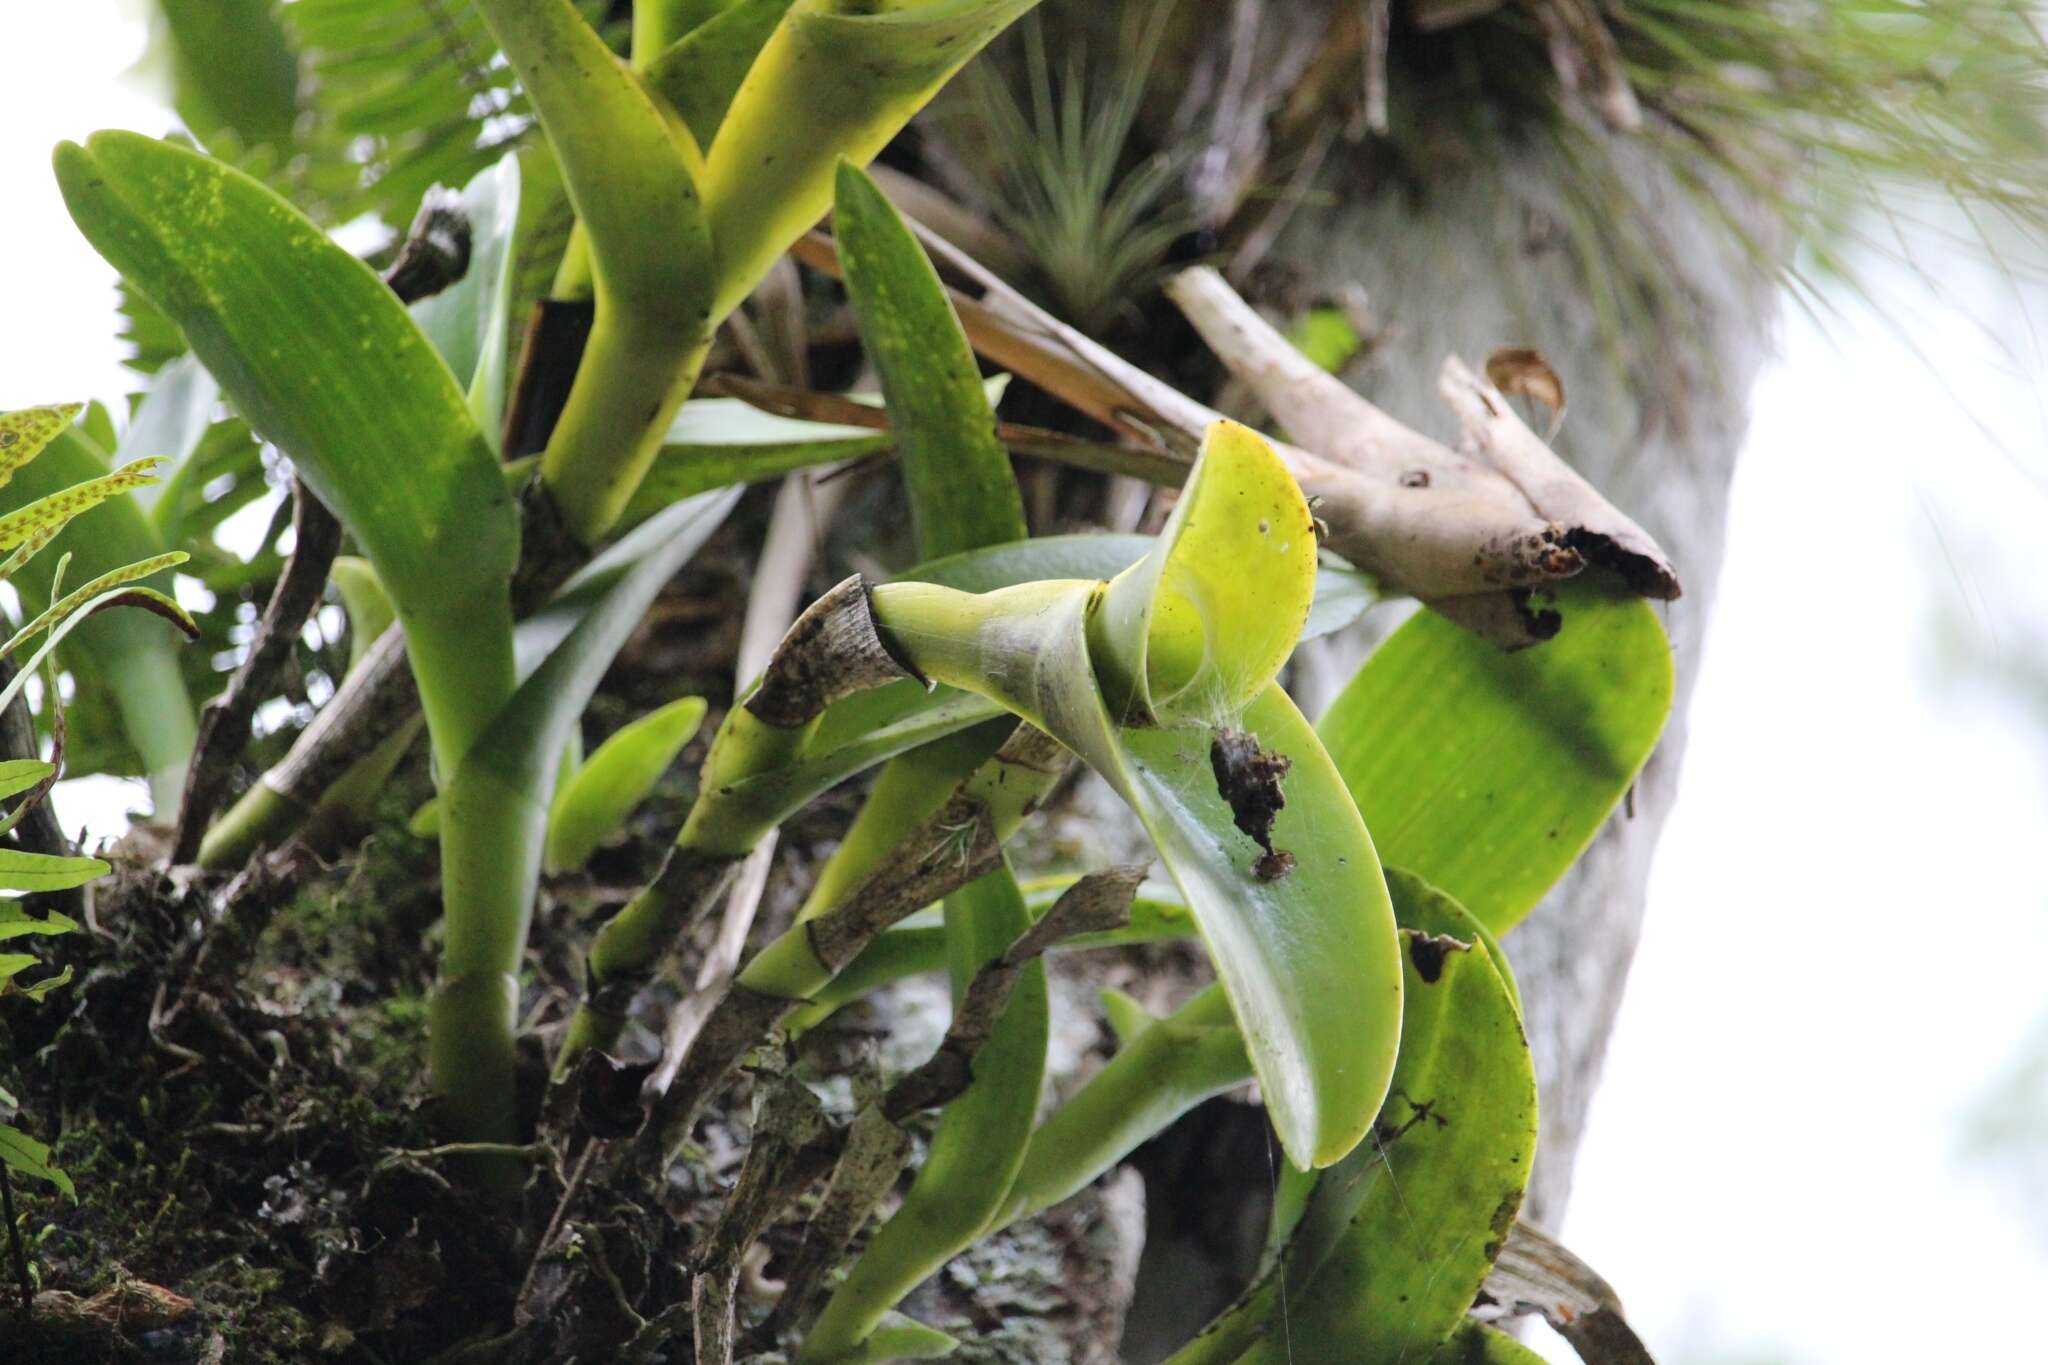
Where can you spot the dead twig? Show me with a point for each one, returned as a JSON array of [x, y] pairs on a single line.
[[224, 728]]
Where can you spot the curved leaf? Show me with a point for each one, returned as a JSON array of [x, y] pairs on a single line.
[[1303, 938], [1167, 1069], [1390, 1248], [962, 492], [979, 1145], [1489, 773], [17, 775], [701, 71], [319, 356], [596, 801], [836, 79]]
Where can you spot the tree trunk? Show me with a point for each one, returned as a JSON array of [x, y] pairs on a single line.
[[1476, 263]]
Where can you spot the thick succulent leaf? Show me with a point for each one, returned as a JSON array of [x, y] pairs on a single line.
[[319, 356], [632, 171], [22, 871], [1342, 594], [1200, 625], [1474, 1343], [568, 644], [24, 1155], [25, 433], [17, 775], [837, 79], [470, 321], [902, 1338], [1306, 950], [1390, 1248], [1489, 773], [963, 494], [918, 945], [981, 1138], [701, 72], [314, 350], [596, 801], [1166, 1070]]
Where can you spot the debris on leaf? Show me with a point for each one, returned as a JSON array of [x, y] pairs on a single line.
[[1248, 777]]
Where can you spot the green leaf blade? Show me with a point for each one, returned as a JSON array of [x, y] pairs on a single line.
[[963, 494], [596, 801], [1489, 773]]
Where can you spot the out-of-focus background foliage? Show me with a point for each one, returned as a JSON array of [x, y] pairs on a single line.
[[1823, 1136]]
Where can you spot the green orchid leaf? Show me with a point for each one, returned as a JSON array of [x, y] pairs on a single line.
[[596, 801], [1303, 935], [981, 1138], [641, 244], [901, 1338], [1202, 624], [24, 434], [317, 353], [1171, 1066], [701, 71], [470, 322], [836, 80], [918, 945], [1489, 773], [963, 494], [1380, 1259], [566, 646], [23, 1154], [1474, 1343], [364, 599], [17, 775], [701, 452], [174, 418], [23, 871]]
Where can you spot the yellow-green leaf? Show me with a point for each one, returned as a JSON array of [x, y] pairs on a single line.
[[596, 801], [23, 434], [1489, 773]]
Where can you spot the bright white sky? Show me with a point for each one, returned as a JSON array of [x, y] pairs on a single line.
[[1849, 912]]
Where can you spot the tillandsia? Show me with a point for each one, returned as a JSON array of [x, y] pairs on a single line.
[[511, 514]]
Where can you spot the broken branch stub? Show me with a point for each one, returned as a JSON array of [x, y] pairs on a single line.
[[1468, 532], [1503, 512]]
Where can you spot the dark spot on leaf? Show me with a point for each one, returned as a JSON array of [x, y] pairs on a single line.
[[1248, 778], [1428, 952]]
